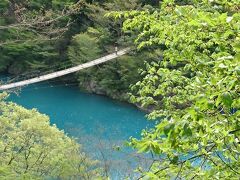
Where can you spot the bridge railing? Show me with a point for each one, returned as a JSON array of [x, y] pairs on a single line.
[[59, 73]]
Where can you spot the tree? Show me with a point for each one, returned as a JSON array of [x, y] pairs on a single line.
[[113, 78], [194, 88], [83, 49], [31, 148], [43, 19], [31, 31]]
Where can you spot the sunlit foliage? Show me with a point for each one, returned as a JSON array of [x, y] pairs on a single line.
[[194, 88], [31, 148]]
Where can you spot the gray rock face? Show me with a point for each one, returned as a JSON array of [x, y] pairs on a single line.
[[93, 87]]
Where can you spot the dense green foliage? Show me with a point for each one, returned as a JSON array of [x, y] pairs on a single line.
[[29, 31], [83, 48], [30, 148], [194, 88], [113, 78], [190, 79], [39, 37], [45, 35]]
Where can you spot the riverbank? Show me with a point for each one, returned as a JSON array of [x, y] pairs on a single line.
[[91, 87]]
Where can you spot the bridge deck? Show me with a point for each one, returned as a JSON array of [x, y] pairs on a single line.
[[64, 72]]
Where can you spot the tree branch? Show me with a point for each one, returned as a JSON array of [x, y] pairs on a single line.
[[227, 164]]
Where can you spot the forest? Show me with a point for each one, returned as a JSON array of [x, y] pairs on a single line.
[[183, 70], [61, 34]]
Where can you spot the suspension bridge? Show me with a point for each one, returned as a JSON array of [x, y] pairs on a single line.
[[65, 71]]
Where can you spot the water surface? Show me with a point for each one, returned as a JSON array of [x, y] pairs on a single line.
[[100, 124]]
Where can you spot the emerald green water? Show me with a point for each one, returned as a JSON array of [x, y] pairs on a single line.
[[99, 123]]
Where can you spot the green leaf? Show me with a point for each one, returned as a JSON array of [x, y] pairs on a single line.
[[227, 99], [168, 128], [174, 160]]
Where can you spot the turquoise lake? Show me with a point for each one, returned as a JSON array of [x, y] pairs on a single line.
[[100, 124]]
